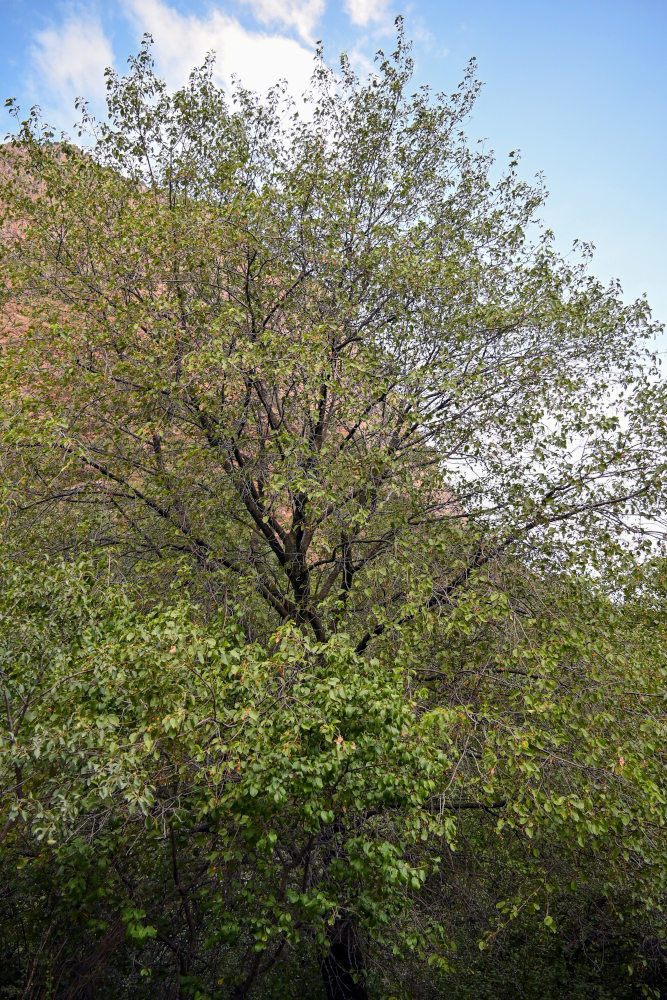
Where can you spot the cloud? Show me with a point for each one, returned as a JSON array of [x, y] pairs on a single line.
[[362, 61], [259, 59], [68, 61], [302, 15], [362, 12]]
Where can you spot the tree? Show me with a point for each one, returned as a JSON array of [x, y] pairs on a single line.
[[324, 372], [171, 781], [174, 791]]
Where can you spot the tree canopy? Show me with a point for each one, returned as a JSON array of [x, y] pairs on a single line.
[[345, 477]]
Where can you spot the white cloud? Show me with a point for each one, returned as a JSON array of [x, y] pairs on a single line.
[[362, 62], [362, 12], [182, 41], [68, 61], [302, 15]]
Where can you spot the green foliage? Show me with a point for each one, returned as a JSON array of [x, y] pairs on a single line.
[[343, 442], [157, 733], [151, 750]]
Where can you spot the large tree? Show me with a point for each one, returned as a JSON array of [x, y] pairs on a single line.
[[319, 367]]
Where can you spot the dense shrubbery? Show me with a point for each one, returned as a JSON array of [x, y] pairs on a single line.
[[185, 804]]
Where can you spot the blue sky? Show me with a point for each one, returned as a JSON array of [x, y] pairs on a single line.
[[579, 88]]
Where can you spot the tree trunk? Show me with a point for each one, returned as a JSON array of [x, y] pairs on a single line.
[[343, 967]]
